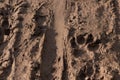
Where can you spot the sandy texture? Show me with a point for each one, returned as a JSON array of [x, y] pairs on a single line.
[[59, 39]]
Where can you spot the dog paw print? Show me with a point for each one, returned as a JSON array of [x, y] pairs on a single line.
[[88, 39], [84, 40]]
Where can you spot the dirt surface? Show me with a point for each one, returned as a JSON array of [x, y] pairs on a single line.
[[59, 39]]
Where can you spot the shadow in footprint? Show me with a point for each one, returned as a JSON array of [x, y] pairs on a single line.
[[94, 46], [80, 39], [90, 38], [78, 52]]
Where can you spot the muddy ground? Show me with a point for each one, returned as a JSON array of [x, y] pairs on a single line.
[[59, 39]]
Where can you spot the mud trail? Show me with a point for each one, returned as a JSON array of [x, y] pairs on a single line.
[[59, 40]]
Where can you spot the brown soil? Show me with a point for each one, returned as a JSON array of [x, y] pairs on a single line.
[[59, 39]]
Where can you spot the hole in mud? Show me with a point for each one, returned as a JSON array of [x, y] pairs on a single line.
[[93, 47], [90, 38], [7, 31], [80, 39], [73, 43], [77, 53]]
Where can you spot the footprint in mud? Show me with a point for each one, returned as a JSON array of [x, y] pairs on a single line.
[[94, 46], [80, 39]]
